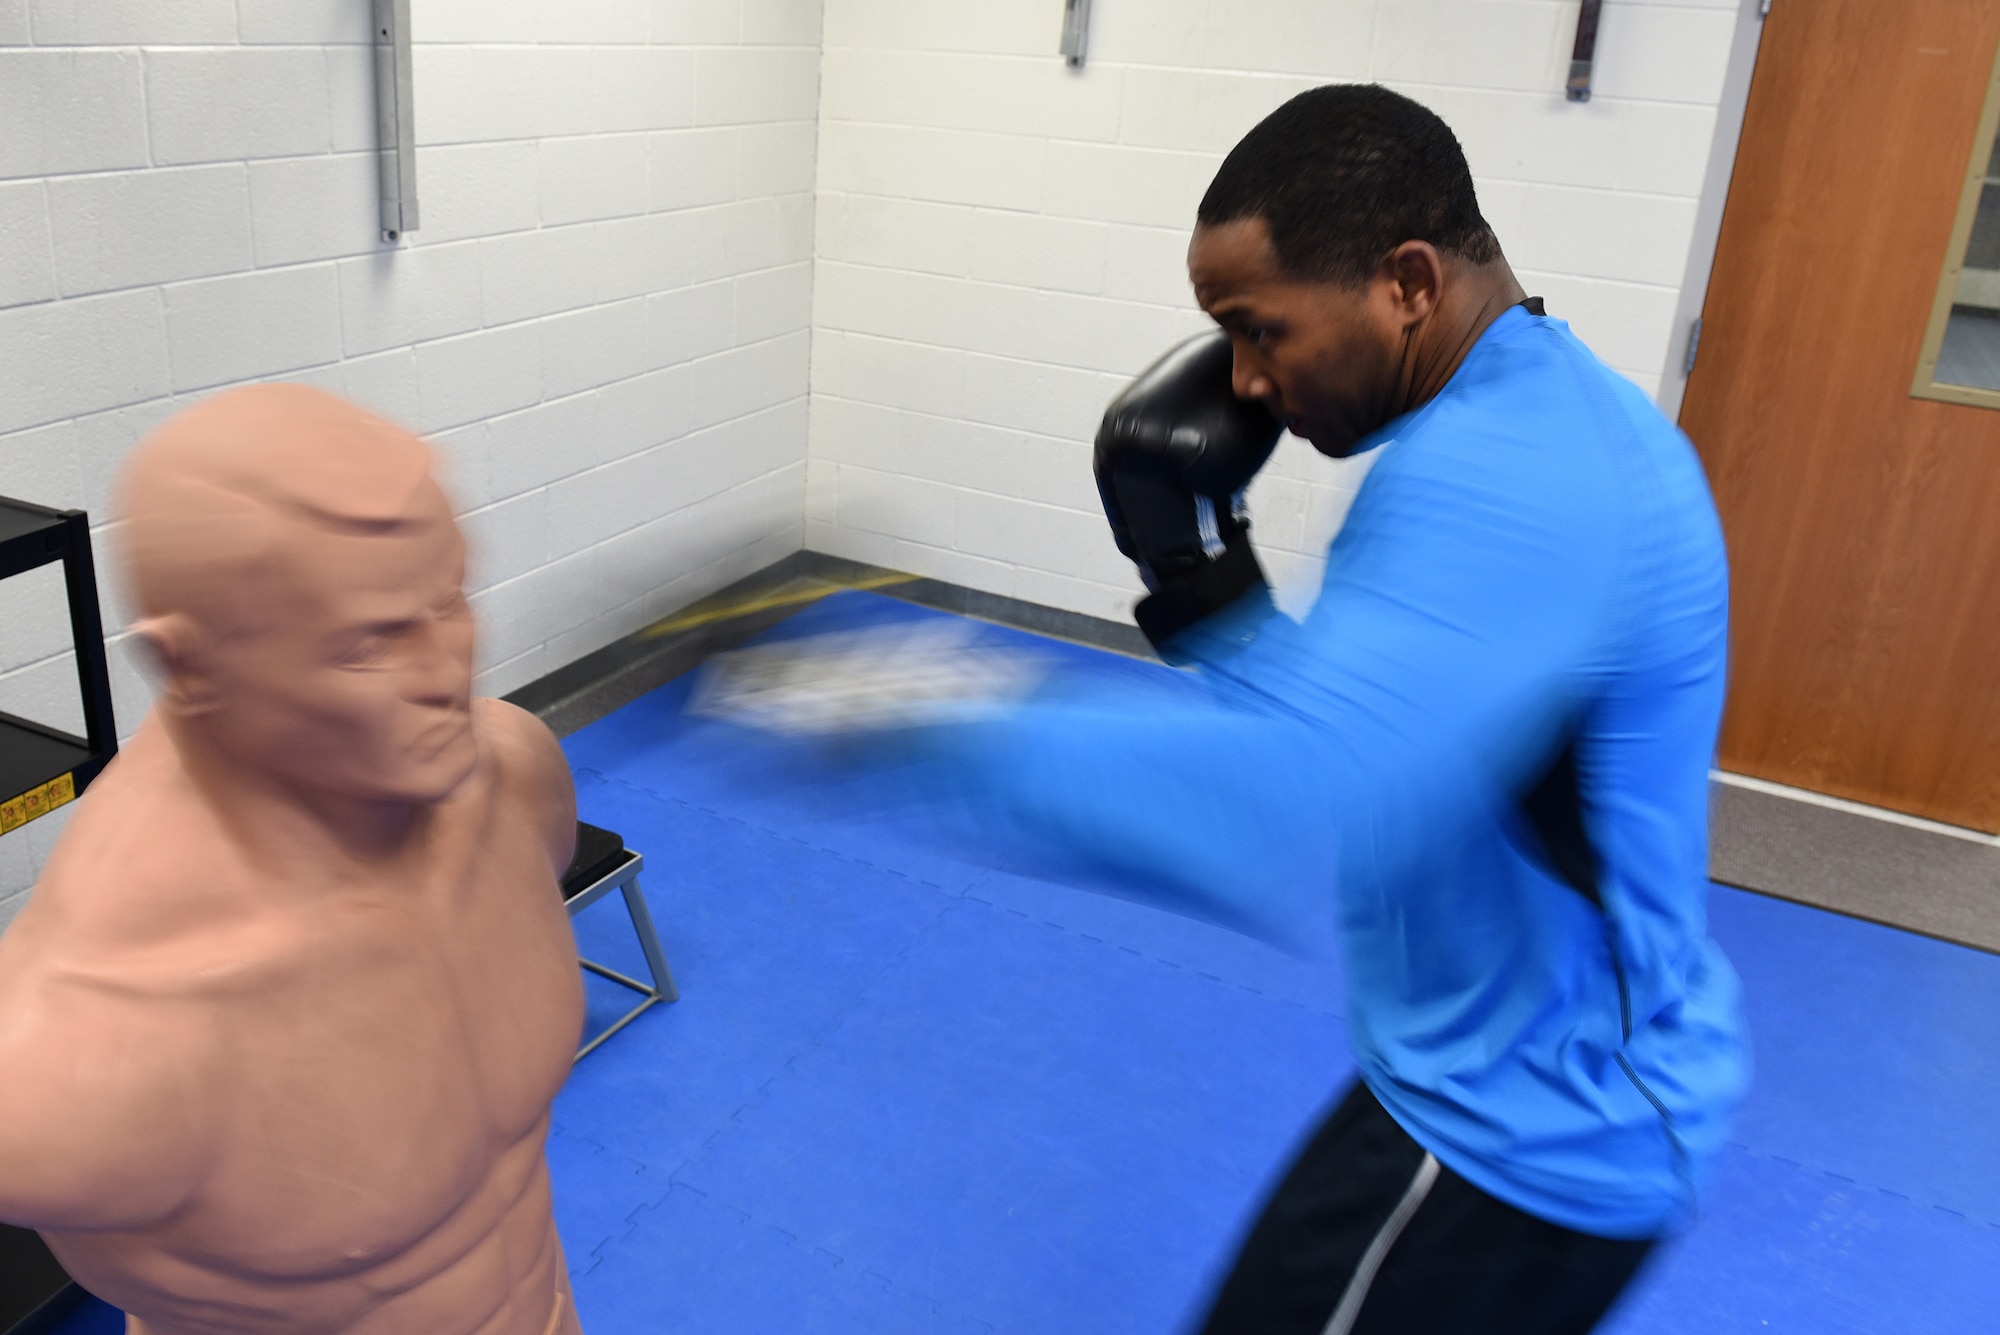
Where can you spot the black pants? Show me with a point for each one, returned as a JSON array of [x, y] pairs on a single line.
[[1370, 1235]]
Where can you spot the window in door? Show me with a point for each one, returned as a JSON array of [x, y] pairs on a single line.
[[1961, 354]]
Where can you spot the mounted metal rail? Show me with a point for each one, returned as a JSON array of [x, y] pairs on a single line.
[[395, 118]]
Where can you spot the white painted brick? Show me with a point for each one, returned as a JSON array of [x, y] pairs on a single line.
[[71, 111], [776, 158], [249, 102], [466, 94], [14, 31], [1671, 54], [554, 440], [968, 92], [506, 540], [397, 297], [461, 21], [643, 89], [462, 467], [1149, 264], [1053, 400], [1036, 535], [80, 356], [1203, 110], [27, 260], [134, 22], [103, 440], [1032, 251], [637, 256], [1602, 234], [782, 22], [477, 190], [904, 234], [386, 384], [905, 375], [996, 170], [314, 208], [1010, 28], [527, 274], [792, 218], [696, 22], [350, 95], [774, 302], [600, 22], [1132, 185], [691, 322], [127, 229], [686, 168], [738, 85], [479, 375], [249, 326], [896, 506], [1520, 44], [863, 159], [1657, 148], [41, 466], [592, 347], [304, 22], [644, 411], [592, 177], [732, 238], [1327, 39], [747, 380], [1626, 324]]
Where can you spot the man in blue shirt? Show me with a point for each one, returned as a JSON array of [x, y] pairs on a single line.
[[1482, 758]]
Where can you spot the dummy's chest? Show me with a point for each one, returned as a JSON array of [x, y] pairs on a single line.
[[413, 1046]]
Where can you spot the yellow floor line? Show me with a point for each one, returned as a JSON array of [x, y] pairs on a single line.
[[790, 595]]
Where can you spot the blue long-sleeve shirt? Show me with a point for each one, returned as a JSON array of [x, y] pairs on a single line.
[[1533, 561]]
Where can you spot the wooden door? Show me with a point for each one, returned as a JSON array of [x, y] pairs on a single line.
[[1863, 523]]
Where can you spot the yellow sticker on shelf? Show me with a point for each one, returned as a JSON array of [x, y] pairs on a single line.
[[38, 801]]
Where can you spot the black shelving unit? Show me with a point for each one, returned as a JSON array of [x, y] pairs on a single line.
[[42, 768]]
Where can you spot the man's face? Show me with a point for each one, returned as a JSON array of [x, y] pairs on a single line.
[[1324, 357], [362, 687]]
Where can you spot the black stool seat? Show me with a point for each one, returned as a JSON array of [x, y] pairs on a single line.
[[598, 853]]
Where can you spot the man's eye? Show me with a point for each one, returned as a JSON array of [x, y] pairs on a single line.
[[1261, 335], [368, 652]]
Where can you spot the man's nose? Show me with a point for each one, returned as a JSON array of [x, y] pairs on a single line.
[[436, 676], [1245, 380]]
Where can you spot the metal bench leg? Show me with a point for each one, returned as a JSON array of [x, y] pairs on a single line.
[[649, 941]]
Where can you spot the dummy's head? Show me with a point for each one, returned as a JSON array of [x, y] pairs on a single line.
[[298, 575], [1325, 243]]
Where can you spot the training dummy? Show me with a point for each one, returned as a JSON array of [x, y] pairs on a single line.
[[281, 1023], [1479, 764]]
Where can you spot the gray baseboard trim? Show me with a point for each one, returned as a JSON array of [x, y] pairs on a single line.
[[582, 692], [1880, 870]]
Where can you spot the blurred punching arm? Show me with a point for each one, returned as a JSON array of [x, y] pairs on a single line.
[[1432, 677]]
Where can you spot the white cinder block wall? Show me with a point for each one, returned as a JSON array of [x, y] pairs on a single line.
[[602, 321], [1001, 239]]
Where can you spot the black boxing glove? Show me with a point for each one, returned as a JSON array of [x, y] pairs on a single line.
[[1175, 452]]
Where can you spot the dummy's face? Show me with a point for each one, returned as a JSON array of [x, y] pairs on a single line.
[[1324, 357], [363, 687]]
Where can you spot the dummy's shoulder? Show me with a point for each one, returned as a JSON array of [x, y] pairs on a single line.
[[529, 764]]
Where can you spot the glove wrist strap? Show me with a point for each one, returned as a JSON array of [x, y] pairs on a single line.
[[1175, 606]]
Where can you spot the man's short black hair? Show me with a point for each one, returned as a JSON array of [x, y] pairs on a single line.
[[1344, 174]]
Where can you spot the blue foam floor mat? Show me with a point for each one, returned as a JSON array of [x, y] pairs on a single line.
[[915, 1088]]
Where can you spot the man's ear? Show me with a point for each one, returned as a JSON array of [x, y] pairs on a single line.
[[1418, 271], [176, 648]]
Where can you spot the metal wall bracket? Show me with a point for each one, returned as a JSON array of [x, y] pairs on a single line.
[[1076, 30], [395, 118], [1584, 53]]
